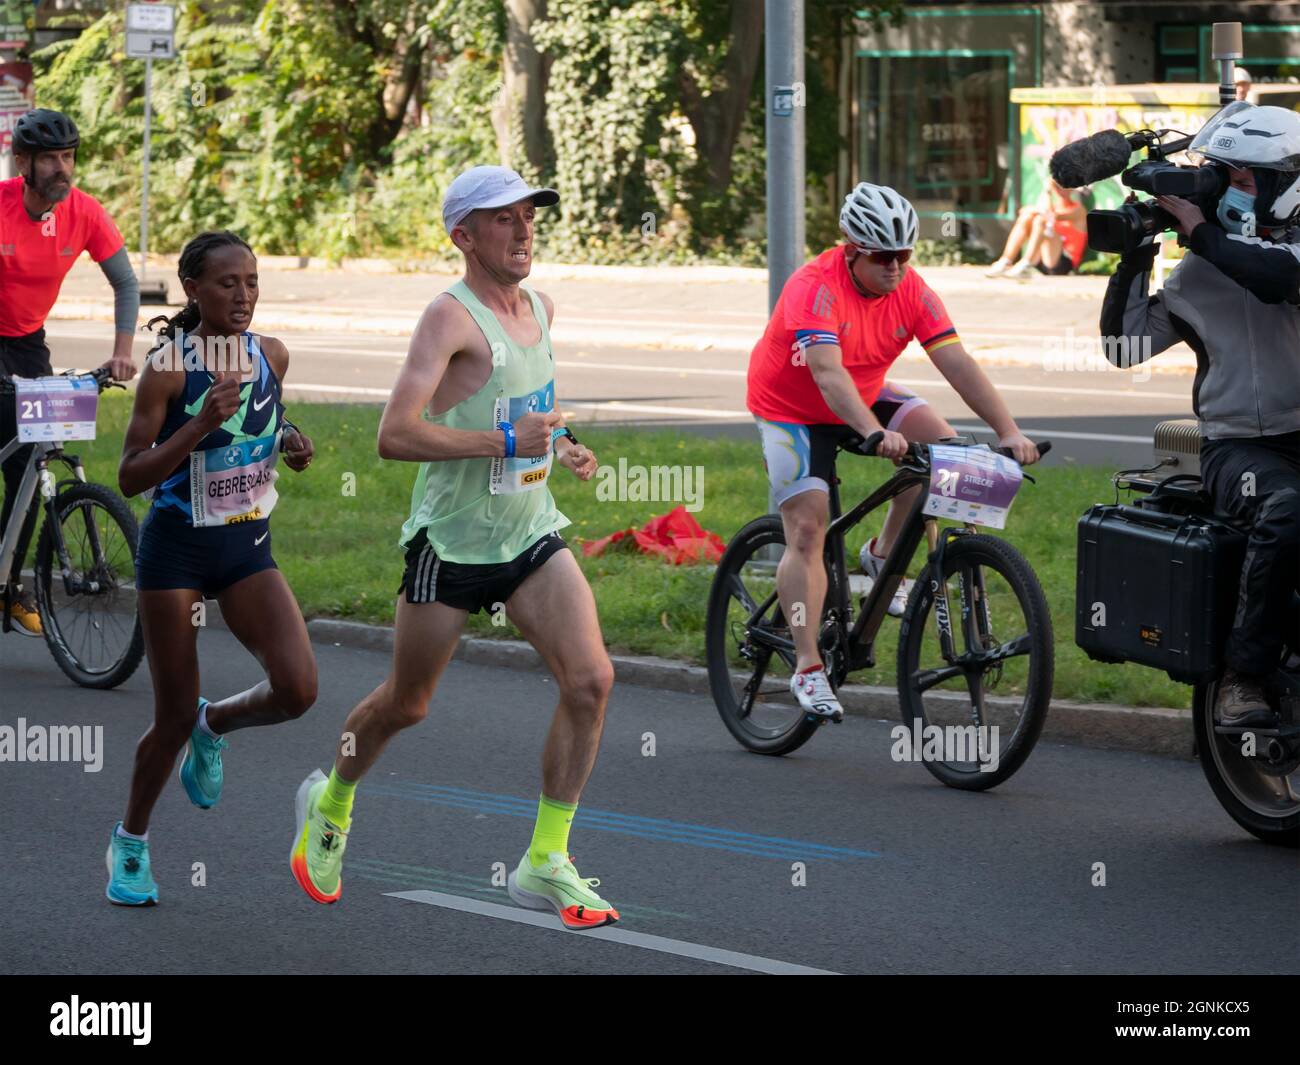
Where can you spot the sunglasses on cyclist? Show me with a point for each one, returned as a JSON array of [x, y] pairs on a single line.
[[884, 258]]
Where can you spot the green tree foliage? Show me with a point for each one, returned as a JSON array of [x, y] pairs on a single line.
[[333, 128], [197, 128], [608, 95]]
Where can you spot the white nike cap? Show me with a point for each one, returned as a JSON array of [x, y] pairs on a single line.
[[489, 186]]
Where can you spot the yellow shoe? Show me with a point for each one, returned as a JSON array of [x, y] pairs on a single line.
[[22, 612]]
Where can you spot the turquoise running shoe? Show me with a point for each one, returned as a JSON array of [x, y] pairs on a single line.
[[130, 881], [201, 773]]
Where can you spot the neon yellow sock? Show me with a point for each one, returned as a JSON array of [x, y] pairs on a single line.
[[552, 831], [336, 800]]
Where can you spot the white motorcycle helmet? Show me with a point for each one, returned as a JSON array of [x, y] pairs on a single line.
[[877, 217], [1267, 141]]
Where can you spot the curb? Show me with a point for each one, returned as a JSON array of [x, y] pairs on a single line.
[[669, 274], [1158, 731]]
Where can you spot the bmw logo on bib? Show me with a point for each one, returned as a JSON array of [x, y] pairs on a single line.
[[233, 456]]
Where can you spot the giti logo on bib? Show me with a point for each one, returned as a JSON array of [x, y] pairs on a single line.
[[521, 473]]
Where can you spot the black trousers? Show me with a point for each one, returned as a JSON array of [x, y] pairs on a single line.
[[25, 356], [1257, 480]]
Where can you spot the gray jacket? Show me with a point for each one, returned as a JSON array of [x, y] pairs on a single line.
[[1236, 302]]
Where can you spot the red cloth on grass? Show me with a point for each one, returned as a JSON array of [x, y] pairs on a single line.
[[675, 537]]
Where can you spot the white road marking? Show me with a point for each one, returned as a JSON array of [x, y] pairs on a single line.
[[617, 406], [1047, 434], [1113, 393], [682, 949], [911, 382]]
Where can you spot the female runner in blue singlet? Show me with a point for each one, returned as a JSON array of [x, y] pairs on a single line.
[[206, 433]]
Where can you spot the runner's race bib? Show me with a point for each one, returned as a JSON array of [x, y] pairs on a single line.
[[234, 483], [971, 484], [520, 474]]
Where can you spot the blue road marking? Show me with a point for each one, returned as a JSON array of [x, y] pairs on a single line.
[[625, 824]]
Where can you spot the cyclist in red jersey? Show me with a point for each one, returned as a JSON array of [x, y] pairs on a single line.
[[45, 225], [818, 375]]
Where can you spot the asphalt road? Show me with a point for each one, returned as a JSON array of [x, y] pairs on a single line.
[[696, 845]]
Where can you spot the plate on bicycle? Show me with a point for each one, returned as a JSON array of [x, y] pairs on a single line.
[[972, 484], [55, 408]]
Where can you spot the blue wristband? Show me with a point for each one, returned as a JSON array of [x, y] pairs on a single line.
[[509, 430]]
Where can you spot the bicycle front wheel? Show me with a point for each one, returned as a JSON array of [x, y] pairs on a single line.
[[89, 614], [748, 646], [975, 708]]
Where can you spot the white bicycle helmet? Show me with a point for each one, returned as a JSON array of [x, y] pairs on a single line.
[[1267, 141], [877, 217]]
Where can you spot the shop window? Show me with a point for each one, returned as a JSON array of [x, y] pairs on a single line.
[[936, 127]]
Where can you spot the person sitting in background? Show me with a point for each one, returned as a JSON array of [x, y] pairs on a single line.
[[1040, 234], [1241, 79], [1065, 233]]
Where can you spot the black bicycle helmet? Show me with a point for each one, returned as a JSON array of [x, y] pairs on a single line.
[[43, 130]]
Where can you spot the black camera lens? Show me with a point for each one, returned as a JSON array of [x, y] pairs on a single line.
[[1128, 227]]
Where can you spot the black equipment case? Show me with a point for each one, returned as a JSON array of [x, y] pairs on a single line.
[[1156, 587]]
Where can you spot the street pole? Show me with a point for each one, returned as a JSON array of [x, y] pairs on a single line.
[[144, 184], [786, 91]]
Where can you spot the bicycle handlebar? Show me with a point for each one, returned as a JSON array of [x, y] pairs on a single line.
[[868, 446], [101, 375]]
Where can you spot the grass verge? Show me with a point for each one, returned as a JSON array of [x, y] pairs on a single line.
[[340, 554]]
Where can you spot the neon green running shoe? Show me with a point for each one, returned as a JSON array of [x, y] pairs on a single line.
[[557, 886], [317, 855]]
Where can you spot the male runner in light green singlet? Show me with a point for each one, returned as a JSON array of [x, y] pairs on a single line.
[[474, 404]]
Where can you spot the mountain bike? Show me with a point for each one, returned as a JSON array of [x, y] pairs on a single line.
[[950, 667], [84, 568]]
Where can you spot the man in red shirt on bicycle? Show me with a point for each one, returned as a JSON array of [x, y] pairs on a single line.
[[817, 375], [45, 225]]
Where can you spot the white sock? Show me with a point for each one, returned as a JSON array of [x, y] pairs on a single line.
[[203, 722], [131, 835]]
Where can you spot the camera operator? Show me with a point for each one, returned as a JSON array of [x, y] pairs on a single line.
[[1235, 300]]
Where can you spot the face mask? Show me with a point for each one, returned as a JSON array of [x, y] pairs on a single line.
[[1243, 205]]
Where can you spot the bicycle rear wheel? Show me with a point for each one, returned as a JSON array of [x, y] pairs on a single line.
[[748, 649], [1003, 645], [1261, 794], [92, 628]]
